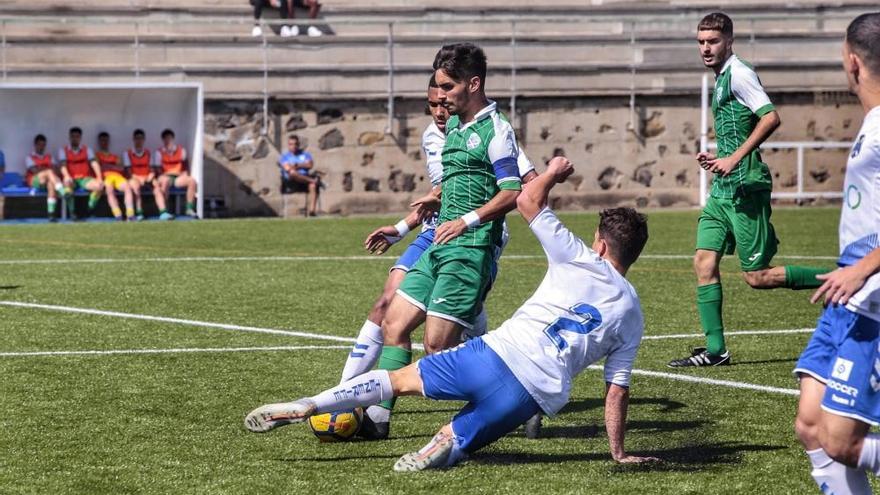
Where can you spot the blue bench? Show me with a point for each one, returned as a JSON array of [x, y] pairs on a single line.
[[12, 186]]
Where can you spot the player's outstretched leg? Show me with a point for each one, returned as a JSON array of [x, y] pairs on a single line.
[[435, 455]]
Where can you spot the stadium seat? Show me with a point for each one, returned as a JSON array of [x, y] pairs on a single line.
[[12, 184]]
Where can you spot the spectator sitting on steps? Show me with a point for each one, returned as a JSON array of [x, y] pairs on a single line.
[[298, 173], [287, 12]]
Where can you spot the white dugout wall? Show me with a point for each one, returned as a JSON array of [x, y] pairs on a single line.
[[29, 109]]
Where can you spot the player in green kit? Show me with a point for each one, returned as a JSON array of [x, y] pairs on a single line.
[[737, 214], [480, 185]]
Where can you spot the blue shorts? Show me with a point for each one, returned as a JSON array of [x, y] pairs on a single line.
[[414, 251], [844, 355], [473, 372]]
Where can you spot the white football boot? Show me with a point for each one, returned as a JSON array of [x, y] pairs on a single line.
[[435, 455], [271, 416]]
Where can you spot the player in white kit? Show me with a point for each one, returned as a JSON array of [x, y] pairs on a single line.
[[839, 369], [583, 311]]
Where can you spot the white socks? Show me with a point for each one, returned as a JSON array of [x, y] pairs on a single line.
[[365, 353], [365, 390], [836, 478], [869, 458]]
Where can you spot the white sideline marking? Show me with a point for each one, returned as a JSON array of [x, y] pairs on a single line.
[[163, 319], [728, 334], [321, 258], [711, 381], [172, 351], [68, 309]]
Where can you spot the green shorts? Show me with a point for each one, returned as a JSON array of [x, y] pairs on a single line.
[[449, 282], [81, 182], [743, 224], [171, 179], [35, 184]]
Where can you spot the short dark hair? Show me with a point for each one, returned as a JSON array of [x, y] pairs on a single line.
[[76, 130], [38, 138], [863, 38], [294, 136], [625, 231], [461, 62], [167, 132], [103, 134], [138, 132], [432, 83], [716, 21]]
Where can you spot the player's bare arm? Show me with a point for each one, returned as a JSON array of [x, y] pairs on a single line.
[[384, 237], [497, 207], [96, 167], [724, 166], [616, 405], [841, 284], [534, 195]]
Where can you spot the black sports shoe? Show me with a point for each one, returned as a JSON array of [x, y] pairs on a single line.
[[371, 430], [533, 426], [701, 357]]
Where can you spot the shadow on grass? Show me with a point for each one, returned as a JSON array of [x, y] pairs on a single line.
[[582, 405], [765, 361], [10, 287], [687, 458]]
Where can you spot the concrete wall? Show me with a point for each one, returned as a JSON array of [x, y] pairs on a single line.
[[369, 171]]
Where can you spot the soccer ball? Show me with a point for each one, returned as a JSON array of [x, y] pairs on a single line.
[[337, 426]]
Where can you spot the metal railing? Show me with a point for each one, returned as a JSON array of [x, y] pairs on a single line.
[[800, 146], [635, 27]]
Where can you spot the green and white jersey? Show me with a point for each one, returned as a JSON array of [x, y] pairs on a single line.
[[479, 159], [738, 103]]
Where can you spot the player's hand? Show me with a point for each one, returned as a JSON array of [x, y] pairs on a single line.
[[839, 285], [448, 231], [722, 166], [560, 167], [428, 204], [703, 158], [634, 459], [381, 239]]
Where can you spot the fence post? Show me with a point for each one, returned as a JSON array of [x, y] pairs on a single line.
[[800, 170], [265, 86], [390, 126], [3, 35], [632, 81], [513, 73], [704, 135], [137, 50]]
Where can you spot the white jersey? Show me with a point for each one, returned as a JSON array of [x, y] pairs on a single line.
[[433, 140], [860, 213], [583, 311]]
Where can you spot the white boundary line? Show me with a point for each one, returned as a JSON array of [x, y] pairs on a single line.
[[163, 319], [711, 381], [173, 351], [730, 334], [318, 258], [223, 326]]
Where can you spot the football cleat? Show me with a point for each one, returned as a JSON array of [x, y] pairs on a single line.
[[166, 216], [371, 430], [271, 416], [433, 456], [533, 426], [701, 357]]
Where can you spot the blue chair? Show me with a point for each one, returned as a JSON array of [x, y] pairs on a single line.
[[12, 184]]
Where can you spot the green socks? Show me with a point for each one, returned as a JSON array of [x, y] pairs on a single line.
[[393, 358], [709, 299], [93, 200], [50, 205], [190, 206], [803, 277]]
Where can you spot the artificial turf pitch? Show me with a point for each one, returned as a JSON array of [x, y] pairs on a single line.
[[171, 422]]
